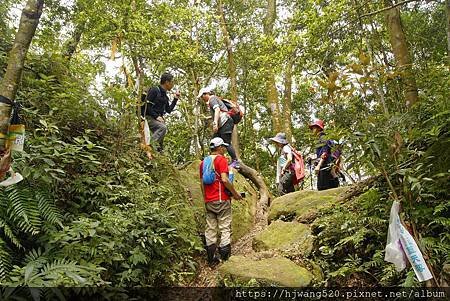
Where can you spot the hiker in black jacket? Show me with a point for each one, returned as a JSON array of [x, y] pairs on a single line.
[[325, 162], [156, 104]]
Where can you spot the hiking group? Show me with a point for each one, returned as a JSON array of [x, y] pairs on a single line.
[[216, 174]]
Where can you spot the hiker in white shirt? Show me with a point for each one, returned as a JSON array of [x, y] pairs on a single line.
[[285, 165]]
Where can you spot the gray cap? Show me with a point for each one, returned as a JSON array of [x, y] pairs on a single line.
[[280, 138]]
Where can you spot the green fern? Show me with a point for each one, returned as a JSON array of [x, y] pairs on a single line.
[[5, 260], [9, 234], [48, 209], [22, 211]]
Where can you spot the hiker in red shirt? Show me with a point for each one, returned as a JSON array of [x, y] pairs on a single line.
[[216, 187]]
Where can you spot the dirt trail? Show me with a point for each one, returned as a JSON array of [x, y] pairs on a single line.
[[208, 277]]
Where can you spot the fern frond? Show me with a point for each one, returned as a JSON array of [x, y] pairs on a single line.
[[36, 257], [16, 207], [23, 209], [48, 209], [5, 260], [9, 234]]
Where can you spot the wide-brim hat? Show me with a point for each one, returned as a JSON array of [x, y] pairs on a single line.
[[318, 123], [216, 142], [203, 91], [280, 138]]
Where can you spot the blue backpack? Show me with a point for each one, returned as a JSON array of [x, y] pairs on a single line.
[[208, 171]]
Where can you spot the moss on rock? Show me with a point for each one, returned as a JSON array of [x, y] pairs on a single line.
[[282, 235], [276, 271], [302, 202]]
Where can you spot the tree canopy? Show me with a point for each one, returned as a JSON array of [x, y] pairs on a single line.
[[92, 210]]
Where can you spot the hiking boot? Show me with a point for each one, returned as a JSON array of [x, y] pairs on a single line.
[[211, 252], [225, 252]]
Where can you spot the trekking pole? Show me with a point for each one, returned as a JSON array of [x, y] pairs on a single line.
[[310, 175]]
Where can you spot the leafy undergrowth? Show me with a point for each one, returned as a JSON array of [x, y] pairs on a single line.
[[351, 237], [91, 210]]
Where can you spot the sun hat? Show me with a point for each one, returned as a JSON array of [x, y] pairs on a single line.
[[203, 91], [280, 138]]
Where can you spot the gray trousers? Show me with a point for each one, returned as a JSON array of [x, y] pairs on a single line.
[[159, 130], [286, 184], [218, 215]]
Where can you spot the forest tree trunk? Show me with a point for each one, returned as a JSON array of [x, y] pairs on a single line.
[[400, 49], [29, 21], [287, 105], [231, 70], [272, 94], [72, 43], [448, 31]]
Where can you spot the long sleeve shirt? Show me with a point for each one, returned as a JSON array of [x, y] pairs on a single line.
[[157, 103]]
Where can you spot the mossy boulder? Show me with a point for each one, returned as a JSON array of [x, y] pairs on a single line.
[[243, 210], [275, 271], [302, 202], [282, 235]]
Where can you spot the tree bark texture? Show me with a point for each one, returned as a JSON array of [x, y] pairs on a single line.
[[400, 49], [29, 21], [232, 73], [287, 105], [197, 108], [27, 27], [264, 196], [72, 43], [272, 94], [448, 30]]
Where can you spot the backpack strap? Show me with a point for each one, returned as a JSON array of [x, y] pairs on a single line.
[[213, 158], [158, 93]]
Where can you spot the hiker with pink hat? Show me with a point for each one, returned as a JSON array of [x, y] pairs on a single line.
[[325, 162]]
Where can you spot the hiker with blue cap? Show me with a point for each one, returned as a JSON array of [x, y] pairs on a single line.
[[285, 165]]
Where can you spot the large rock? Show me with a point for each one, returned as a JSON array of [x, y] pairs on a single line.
[[243, 211], [276, 271], [282, 235], [302, 202]]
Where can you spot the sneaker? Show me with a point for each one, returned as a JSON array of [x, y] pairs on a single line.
[[235, 164]]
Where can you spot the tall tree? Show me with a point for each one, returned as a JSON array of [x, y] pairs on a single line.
[[448, 30], [287, 104], [399, 45], [29, 20], [271, 89], [232, 73]]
